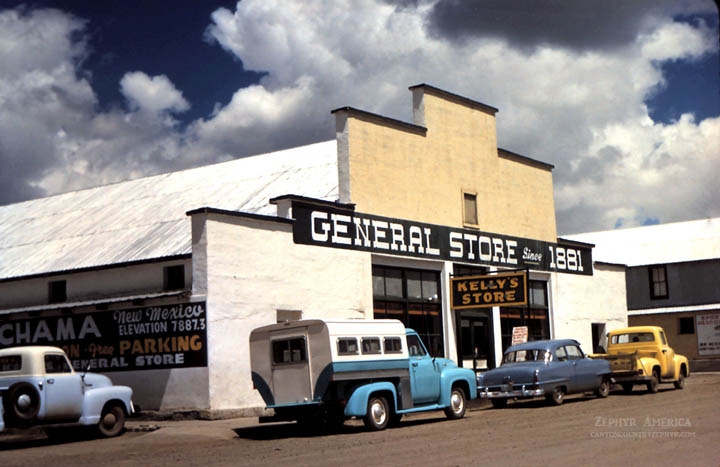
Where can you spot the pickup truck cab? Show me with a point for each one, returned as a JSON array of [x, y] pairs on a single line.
[[642, 355], [38, 386], [327, 371]]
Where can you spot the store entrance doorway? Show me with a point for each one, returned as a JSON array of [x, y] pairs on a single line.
[[476, 346]]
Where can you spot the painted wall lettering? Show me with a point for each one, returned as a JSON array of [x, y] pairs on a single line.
[[343, 228]]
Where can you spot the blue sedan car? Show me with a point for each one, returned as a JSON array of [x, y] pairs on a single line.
[[550, 368]]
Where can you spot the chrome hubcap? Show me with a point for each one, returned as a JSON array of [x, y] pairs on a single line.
[[378, 413], [23, 402], [456, 402]]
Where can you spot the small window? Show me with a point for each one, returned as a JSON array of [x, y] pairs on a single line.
[[662, 338], [347, 346], [470, 208], [415, 347], [561, 354], [686, 325], [288, 315], [10, 363], [370, 345], [392, 345], [57, 291], [289, 350], [658, 282], [174, 277], [574, 352], [55, 363]]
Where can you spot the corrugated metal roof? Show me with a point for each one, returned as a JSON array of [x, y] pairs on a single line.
[[656, 244], [145, 218]]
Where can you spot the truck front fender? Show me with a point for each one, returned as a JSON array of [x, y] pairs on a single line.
[[450, 376], [95, 400], [358, 401]]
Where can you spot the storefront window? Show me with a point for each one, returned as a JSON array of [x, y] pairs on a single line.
[[536, 316], [413, 297]]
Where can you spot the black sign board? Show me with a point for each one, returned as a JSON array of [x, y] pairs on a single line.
[[147, 338], [489, 290], [342, 228]]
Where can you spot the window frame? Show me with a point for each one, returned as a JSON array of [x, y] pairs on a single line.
[[468, 195], [370, 339], [654, 293], [57, 291], [347, 353], [684, 329], [393, 339], [288, 339]]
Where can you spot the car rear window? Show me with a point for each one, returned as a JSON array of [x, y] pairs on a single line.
[[10, 363]]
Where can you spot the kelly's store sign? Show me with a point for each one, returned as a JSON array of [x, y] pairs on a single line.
[[325, 226], [490, 290], [147, 338]]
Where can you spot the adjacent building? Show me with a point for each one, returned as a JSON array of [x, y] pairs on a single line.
[[673, 281], [158, 281]]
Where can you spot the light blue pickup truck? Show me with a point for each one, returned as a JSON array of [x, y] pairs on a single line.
[[323, 371]]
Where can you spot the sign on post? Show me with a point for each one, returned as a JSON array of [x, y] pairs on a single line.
[[519, 335], [504, 289]]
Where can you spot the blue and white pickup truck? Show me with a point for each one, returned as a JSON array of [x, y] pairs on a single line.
[[38, 387], [322, 371]]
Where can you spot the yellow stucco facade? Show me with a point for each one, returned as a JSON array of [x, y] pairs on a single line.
[[420, 171]]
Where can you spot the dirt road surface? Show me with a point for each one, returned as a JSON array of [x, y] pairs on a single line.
[[673, 427]]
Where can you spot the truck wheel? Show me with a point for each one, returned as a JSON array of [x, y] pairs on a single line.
[[378, 414], [499, 403], [457, 406], [112, 421], [652, 385], [557, 396], [23, 402], [604, 389], [680, 383]]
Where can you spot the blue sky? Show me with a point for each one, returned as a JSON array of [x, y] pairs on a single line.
[[623, 98]]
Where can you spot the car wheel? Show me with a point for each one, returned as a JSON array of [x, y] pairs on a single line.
[[680, 383], [604, 389], [457, 406], [112, 421], [557, 396], [499, 403], [652, 385], [23, 402], [378, 414]]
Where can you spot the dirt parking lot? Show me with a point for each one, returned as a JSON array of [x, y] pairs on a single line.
[[669, 428]]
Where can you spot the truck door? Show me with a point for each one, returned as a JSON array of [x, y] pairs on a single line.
[[64, 388], [290, 370], [424, 374], [667, 357]]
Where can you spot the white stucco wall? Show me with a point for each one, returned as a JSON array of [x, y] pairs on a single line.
[[252, 268], [579, 301]]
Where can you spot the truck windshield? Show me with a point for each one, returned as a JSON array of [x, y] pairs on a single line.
[[632, 337], [528, 355]]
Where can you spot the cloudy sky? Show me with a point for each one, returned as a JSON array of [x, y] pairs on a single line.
[[621, 97]]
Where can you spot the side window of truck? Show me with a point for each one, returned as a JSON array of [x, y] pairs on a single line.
[[289, 350], [415, 348], [347, 346], [370, 345], [392, 345], [10, 363], [662, 338], [55, 363]]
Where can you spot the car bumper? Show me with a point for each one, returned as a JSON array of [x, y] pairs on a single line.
[[485, 393]]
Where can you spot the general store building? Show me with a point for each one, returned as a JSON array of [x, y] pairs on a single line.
[[158, 281]]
